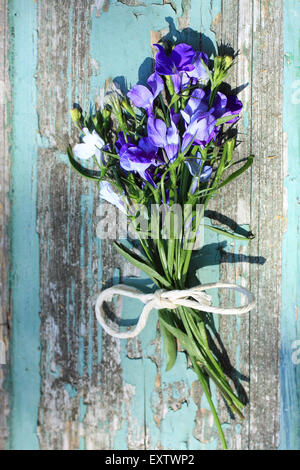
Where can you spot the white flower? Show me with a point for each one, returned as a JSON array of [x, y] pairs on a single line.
[[108, 193], [92, 146]]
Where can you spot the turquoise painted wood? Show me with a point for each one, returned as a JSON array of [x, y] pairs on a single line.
[[25, 342], [290, 322], [69, 385]]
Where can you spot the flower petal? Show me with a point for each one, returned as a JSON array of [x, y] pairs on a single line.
[[206, 173], [156, 84], [234, 106], [121, 141], [201, 128], [146, 145], [182, 56], [84, 151], [194, 164], [140, 96], [92, 139], [157, 130], [197, 102], [163, 63], [172, 146], [98, 142], [111, 195], [199, 72]]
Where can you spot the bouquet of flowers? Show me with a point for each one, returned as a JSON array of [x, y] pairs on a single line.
[[160, 154]]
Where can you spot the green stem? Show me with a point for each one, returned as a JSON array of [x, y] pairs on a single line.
[[206, 390], [212, 367]]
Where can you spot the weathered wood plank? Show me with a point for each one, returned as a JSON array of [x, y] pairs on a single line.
[[255, 30], [268, 222], [24, 276], [233, 33], [5, 103]]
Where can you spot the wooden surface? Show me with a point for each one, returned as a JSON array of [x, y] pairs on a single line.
[[4, 217], [68, 385]]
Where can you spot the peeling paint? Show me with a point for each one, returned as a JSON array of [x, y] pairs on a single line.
[[132, 3], [100, 5]]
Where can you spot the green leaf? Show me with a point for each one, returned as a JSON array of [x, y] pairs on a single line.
[[114, 155], [171, 253], [174, 99], [160, 114], [170, 346], [166, 319], [207, 69], [229, 234], [225, 119], [85, 172], [141, 263], [238, 172], [230, 148]]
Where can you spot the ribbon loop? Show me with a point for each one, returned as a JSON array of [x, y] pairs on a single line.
[[162, 298]]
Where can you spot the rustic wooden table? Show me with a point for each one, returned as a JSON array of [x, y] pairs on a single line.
[[64, 384]]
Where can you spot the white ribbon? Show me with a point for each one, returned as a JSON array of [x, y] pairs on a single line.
[[169, 299]]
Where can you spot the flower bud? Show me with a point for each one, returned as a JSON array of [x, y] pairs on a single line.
[[106, 114], [227, 61], [125, 105], [218, 62], [95, 120], [75, 114]]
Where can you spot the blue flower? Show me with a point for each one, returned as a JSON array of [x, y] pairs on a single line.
[[200, 174], [139, 158], [184, 64], [164, 137], [201, 121], [227, 106], [199, 73], [142, 97], [200, 130]]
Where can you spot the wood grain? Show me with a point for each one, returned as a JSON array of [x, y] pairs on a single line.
[[5, 103], [254, 29]]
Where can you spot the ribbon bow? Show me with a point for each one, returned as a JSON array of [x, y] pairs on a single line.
[[169, 299]]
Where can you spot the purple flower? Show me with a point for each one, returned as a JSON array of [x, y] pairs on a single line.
[[201, 121], [180, 81], [184, 64], [222, 105], [198, 102], [142, 97], [162, 136], [227, 106], [139, 158], [121, 141], [179, 60], [195, 168], [200, 130], [199, 72]]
